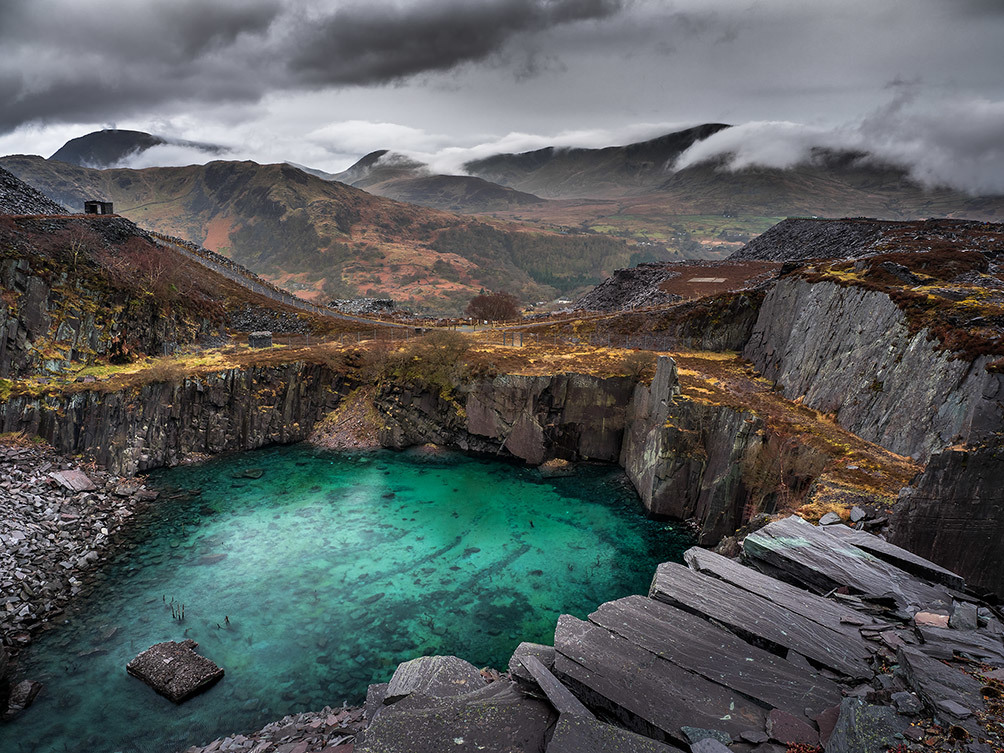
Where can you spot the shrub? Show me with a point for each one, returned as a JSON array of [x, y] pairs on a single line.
[[494, 307]]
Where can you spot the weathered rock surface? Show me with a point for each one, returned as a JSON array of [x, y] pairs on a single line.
[[17, 197], [163, 423], [953, 513], [864, 728], [439, 676], [495, 719], [848, 351], [174, 670], [630, 288]]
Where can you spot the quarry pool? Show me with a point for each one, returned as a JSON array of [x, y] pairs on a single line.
[[308, 575]]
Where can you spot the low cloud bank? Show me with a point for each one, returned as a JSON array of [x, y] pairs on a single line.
[[956, 142]]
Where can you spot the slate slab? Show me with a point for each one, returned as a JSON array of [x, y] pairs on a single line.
[[936, 682], [520, 675], [805, 603], [788, 729], [557, 694], [718, 655], [579, 735], [898, 556], [496, 718], [174, 670], [974, 643], [964, 616], [631, 686], [438, 676], [761, 619], [863, 728], [75, 481], [804, 553], [375, 695]]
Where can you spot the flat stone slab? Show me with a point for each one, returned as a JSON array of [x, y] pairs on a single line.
[[898, 556], [823, 611], [496, 718], [519, 673], [75, 481], [798, 551], [640, 690], [579, 735], [718, 655], [439, 676], [760, 619], [174, 670]]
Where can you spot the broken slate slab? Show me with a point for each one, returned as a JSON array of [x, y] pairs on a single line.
[[579, 735], [557, 694], [174, 670], [694, 735], [788, 729], [863, 728], [375, 695], [437, 676], [495, 718], [830, 519], [75, 481], [520, 675]]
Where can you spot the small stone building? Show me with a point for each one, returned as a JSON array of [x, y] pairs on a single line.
[[98, 207]]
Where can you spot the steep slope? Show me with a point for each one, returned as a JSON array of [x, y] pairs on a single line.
[[83, 289], [110, 147], [17, 197], [325, 239]]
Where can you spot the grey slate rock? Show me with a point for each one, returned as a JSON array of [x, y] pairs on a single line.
[[755, 736], [375, 695], [830, 519], [579, 735], [907, 703], [964, 616], [788, 729], [858, 514], [862, 728], [708, 745], [438, 676], [520, 675], [953, 709], [696, 734], [496, 718]]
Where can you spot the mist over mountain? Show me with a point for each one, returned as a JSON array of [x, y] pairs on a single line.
[[117, 148]]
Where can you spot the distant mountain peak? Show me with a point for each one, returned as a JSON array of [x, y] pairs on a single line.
[[112, 146]]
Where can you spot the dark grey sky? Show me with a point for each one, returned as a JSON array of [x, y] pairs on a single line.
[[321, 82]]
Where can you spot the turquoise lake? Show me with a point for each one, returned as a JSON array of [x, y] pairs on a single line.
[[317, 578]]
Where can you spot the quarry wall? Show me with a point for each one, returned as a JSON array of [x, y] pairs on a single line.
[[849, 351]]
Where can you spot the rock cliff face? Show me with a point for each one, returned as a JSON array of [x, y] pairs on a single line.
[[533, 418], [160, 424], [953, 514], [848, 351], [686, 458], [51, 327]]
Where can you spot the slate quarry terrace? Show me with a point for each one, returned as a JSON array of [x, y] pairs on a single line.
[[821, 636]]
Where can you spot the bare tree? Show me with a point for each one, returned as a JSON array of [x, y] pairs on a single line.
[[494, 307]]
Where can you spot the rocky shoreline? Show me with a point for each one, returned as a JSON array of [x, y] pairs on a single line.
[[58, 522]]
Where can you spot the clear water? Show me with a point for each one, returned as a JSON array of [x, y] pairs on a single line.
[[331, 569]]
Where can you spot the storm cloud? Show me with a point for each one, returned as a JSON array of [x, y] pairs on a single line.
[[125, 56]]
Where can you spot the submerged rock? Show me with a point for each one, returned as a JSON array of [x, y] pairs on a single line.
[[174, 670]]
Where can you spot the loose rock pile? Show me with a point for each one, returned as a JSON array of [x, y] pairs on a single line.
[[17, 197], [56, 523], [325, 731]]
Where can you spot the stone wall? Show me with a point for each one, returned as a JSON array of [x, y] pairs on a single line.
[[848, 351]]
